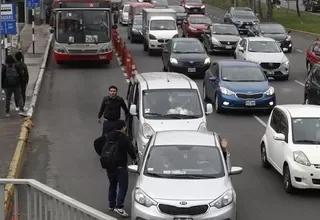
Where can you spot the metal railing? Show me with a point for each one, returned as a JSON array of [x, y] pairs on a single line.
[[40, 202]]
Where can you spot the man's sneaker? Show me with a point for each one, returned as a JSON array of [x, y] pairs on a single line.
[[111, 209], [7, 115], [121, 212], [17, 109], [23, 113]]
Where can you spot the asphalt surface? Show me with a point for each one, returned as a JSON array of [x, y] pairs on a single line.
[[61, 152]]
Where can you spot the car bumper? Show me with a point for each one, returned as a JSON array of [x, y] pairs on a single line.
[[61, 57], [155, 45], [280, 72], [233, 102], [145, 213], [180, 21], [195, 10], [195, 34], [191, 71], [304, 177], [124, 20], [223, 48]]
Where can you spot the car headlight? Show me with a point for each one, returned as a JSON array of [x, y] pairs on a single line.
[[135, 30], [147, 130], [286, 63], [173, 61], [301, 158], [226, 91], [143, 199], [270, 91], [215, 41], [207, 60], [203, 6], [288, 38], [224, 200], [105, 50], [60, 50], [187, 6], [202, 126]]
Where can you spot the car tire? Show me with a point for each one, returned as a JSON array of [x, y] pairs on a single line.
[[287, 180], [217, 107], [264, 159], [204, 92]]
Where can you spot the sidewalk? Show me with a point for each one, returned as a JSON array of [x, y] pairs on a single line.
[[10, 127]]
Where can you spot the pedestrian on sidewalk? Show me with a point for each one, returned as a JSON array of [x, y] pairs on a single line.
[[11, 83], [24, 77], [111, 110], [48, 10], [113, 149]]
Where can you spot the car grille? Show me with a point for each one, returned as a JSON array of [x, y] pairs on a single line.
[[244, 24], [316, 181], [228, 43], [194, 9], [270, 66], [163, 40], [249, 96], [190, 64], [193, 210], [83, 51]]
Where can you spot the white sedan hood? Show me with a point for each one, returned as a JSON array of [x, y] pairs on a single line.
[[267, 57]]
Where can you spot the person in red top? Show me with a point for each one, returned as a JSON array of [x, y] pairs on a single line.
[[114, 31]]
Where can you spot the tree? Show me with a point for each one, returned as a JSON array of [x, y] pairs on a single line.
[[269, 11], [260, 10], [298, 9]]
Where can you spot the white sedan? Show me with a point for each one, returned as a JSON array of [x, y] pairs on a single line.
[[267, 53], [291, 145]]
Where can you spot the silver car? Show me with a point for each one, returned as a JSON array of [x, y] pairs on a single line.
[[184, 175], [124, 14]]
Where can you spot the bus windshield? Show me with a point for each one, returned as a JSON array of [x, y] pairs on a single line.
[[83, 26]]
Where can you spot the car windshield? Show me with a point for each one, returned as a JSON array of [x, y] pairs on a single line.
[[243, 13], [272, 29], [193, 1], [184, 162], [137, 21], [160, 2], [80, 26], [172, 104], [187, 47], [264, 47], [178, 9], [242, 74], [200, 20], [162, 25], [126, 8], [306, 130], [225, 30]]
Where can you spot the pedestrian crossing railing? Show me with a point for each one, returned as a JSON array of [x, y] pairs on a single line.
[[33, 200]]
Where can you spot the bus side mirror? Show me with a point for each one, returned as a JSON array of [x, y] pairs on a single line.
[[51, 31]]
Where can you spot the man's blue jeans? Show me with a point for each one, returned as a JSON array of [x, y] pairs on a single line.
[[108, 126], [118, 178]]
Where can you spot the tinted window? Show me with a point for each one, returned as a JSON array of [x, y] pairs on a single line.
[[137, 21], [275, 120], [316, 77], [243, 13], [187, 162], [242, 74], [200, 20], [126, 8], [264, 47], [225, 30], [168, 104], [178, 9], [187, 47], [163, 25], [272, 29], [306, 130], [193, 1]]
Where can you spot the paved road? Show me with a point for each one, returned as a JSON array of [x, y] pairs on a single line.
[[61, 153]]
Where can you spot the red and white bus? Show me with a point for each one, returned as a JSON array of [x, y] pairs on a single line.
[[82, 30]]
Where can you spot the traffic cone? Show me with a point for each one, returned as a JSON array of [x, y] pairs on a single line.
[[13, 216]]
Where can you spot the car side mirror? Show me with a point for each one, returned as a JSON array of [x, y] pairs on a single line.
[[289, 32], [212, 78], [51, 31], [257, 14], [133, 109], [279, 137], [133, 168], [209, 109], [235, 170], [241, 49]]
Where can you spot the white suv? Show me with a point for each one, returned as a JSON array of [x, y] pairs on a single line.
[[291, 145]]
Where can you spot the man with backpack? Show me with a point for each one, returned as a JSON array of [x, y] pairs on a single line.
[[24, 77], [113, 149], [11, 83]]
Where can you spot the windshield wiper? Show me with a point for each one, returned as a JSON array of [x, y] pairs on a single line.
[[179, 116], [155, 175], [192, 176], [153, 114], [307, 141], [228, 34], [248, 81]]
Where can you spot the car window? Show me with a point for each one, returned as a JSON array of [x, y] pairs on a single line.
[[283, 125], [264, 47], [185, 162], [188, 47], [145, 150], [242, 74], [306, 130], [214, 68], [136, 97], [275, 120]]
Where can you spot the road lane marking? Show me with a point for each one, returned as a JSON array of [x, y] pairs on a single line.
[[299, 50], [300, 83], [260, 121]]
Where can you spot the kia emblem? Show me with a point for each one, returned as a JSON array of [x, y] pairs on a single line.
[[228, 42], [270, 64], [191, 61], [183, 203]]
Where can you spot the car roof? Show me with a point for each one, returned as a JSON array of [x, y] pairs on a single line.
[[175, 137], [260, 39], [301, 110], [165, 80], [236, 63], [223, 24], [197, 15], [242, 8], [184, 39]]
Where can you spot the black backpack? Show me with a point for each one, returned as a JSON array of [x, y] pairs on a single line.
[[108, 154], [12, 75]]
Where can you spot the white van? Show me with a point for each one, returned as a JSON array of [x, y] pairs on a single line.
[[163, 101]]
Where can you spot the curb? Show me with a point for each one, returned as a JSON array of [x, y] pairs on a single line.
[[16, 163]]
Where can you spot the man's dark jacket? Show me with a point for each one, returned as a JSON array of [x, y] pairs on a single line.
[[23, 69], [4, 76], [125, 147], [111, 108]]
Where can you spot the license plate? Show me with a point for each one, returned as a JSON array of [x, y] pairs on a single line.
[[228, 47], [247, 26], [250, 103], [191, 70], [102, 57], [177, 218]]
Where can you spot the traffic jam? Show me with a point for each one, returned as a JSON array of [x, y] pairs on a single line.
[[170, 106]]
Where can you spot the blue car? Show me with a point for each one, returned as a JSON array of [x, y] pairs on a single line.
[[238, 85]]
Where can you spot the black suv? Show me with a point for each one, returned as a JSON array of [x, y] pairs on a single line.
[[242, 18], [312, 86], [311, 5]]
